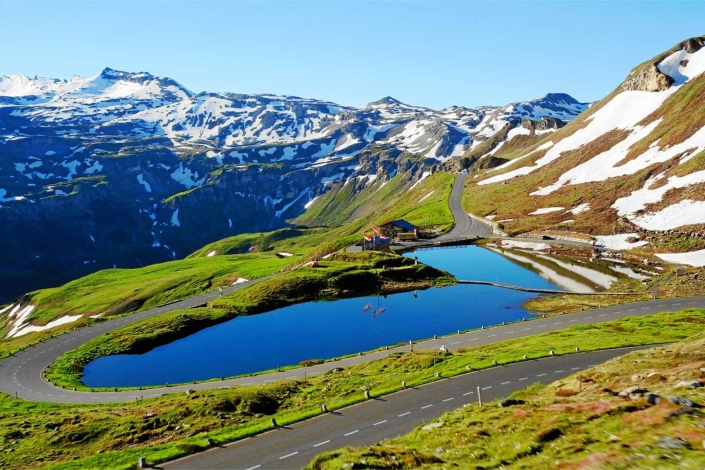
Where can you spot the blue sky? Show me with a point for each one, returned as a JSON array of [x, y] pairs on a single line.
[[433, 54]]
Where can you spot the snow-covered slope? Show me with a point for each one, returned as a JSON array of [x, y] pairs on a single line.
[[140, 105], [638, 156]]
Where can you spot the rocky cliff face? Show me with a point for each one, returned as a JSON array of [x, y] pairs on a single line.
[[125, 169]]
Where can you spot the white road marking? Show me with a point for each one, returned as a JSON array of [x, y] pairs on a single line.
[[287, 455], [491, 336], [485, 388], [602, 315], [558, 323], [253, 468], [321, 443], [457, 342], [469, 393], [507, 332], [427, 406], [541, 326], [381, 422], [587, 317], [575, 368], [523, 378], [474, 339], [540, 375], [558, 371], [449, 399], [351, 433], [526, 329], [505, 383], [404, 414], [644, 308]]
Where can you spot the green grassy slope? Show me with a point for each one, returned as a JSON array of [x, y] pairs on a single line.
[[176, 425], [384, 201], [118, 291], [577, 422]]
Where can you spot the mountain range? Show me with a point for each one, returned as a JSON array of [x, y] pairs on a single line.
[[126, 169]]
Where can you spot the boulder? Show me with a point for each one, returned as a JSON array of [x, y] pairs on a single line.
[[655, 377], [653, 399], [672, 442], [689, 384], [432, 426], [682, 401], [635, 390], [510, 402]]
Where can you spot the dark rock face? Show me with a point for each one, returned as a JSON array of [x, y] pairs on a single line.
[[543, 124]]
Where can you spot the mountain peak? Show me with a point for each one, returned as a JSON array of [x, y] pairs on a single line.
[[386, 100], [559, 97]]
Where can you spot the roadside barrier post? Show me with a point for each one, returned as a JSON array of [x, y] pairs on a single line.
[[550, 353], [274, 423], [411, 344], [580, 382], [323, 408], [142, 463], [577, 349], [479, 396], [403, 384]]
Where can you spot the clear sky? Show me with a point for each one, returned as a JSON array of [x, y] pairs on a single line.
[[433, 54]]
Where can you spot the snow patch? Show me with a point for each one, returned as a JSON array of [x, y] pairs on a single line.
[[619, 242], [175, 219], [212, 253], [693, 258], [51, 324], [546, 210], [146, 185], [525, 245], [424, 175]]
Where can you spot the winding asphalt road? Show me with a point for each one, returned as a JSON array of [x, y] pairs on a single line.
[[387, 417], [464, 226], [21, 374]]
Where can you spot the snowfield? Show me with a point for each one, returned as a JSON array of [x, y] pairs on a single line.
[[694, 258]]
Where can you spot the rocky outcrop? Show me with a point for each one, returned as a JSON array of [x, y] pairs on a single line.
[[543, 124], [648, 78]]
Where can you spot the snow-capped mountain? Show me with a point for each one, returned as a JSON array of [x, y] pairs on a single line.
[[633, 162], [130, 168]]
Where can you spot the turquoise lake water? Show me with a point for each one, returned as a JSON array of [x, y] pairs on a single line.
[[321, 330]]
